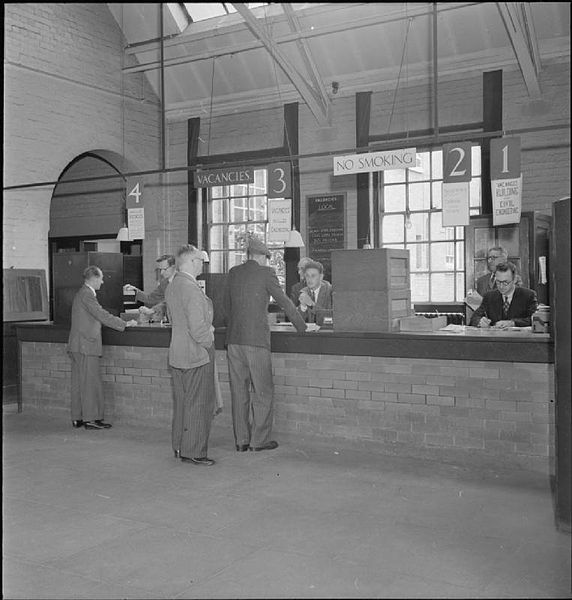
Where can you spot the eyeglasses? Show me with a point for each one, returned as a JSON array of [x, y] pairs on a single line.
[[165, 269], [494, 257], [503, 282]]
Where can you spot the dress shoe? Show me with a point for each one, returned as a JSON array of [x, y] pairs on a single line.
[[207, 462], [94, 425], [77, 424], [268, 446], [103, 424], [243, 448], [177, 453]]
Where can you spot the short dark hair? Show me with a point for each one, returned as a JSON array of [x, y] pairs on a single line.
[[168, 257], [91, 272], [314, 264], [507, 266]]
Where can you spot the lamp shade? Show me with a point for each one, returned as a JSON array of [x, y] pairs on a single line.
[[123, 234], [294, 240]]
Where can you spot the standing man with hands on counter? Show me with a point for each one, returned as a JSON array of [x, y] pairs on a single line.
[[507, 306]]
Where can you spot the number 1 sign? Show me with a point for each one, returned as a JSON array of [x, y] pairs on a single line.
[[506, 180], [456, 177]]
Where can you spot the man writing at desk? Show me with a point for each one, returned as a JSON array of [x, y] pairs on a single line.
[[508, 305]]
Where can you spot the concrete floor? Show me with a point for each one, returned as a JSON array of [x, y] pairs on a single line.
[[111, 514]]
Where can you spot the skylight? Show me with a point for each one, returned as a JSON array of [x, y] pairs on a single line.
[[201, 11]]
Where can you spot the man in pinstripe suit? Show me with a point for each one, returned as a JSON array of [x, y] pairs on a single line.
[[248, 292], [191, 356]]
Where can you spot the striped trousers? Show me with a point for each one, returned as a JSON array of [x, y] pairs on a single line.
[[87, 402], [193, 408], [246, 365]]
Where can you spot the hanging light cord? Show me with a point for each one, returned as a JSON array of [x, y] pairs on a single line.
[[211, 109], [409, 21]]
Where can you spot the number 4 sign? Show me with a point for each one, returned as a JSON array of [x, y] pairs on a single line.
[[134, 198]]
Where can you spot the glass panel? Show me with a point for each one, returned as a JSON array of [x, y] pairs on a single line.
[[236, 258], [238, 190], [216, 264], [394, 176], [236, 236], [460, 233], [439, 256], [419, 196], [418, 257], [460, 256], [484, 239], [475, 192], [422, 171], [481, 268], [442, 287], [277, 262], [396, 246], [460, 293], [437, 164], [258, 208], [217, 210], [394, 198], [216, 241], [476, 161], [419, 231], [474, 211], [218, 192], [508, 238], [392, 229], [259, 185], [420, 287], [259, 229], [239, 209], [438, 232], [437, 194]]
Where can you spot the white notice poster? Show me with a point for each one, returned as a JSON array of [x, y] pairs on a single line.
[[279, 219], [455, 204], [136, 223], [507, 200]]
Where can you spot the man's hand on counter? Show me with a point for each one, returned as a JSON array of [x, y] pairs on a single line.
[[312, 327], [131, 323]]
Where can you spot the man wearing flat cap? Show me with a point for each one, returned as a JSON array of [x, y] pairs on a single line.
[[248, 291]]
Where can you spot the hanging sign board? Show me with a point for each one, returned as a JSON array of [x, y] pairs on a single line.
[[134, 194], [506, 180], [280, 180], [217, 177], [375, 161], [456, 177], [136, 223], [279, 219]]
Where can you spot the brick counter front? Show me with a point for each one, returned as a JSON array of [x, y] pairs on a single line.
[[497, 411]]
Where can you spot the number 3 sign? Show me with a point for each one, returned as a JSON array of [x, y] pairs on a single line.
[[279, 180]]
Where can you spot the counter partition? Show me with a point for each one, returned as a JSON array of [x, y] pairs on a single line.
[[472, 395]]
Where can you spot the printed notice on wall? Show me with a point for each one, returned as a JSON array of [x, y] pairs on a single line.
[[455, 204], [279, 219], [507, 200], [326, 228], [136, 223]]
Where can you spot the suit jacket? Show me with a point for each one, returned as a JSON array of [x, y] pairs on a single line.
[[323, 306], [484, 284], [247, 294], [191, 316], [296, 289], [523, 305], [86, 320], [154, 297]]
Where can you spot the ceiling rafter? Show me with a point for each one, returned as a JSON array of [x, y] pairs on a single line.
[[306, 55], [308, 94], [511, 15]]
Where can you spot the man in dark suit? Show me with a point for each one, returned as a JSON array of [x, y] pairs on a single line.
[[486, 283], [85, 349], [507, 306], [192, 357], [248, 291], [297, 287], [316, 297]]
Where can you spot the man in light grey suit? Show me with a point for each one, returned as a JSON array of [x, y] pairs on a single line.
[[85, 349], [191, 356], [248, 291]]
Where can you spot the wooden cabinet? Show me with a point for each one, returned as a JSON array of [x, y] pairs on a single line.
[[525, 243]]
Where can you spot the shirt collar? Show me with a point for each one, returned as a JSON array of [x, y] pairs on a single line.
[[509, 296], [89, 286]]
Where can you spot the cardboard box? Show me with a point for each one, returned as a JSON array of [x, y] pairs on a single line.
[[419, 323]]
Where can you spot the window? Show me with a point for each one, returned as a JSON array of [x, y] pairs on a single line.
[[233, 212], [410, 217]]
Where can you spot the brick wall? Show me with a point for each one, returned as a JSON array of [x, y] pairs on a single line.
[[453, 410]]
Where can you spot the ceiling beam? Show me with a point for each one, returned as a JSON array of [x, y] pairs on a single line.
[[304, 88], [509, 12], [531, 35], [306, 55]]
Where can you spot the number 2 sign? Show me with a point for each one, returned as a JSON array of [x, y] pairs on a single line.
[[280, 180], [457, 162]]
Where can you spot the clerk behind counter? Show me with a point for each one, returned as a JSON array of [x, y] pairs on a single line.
[[507, 306]]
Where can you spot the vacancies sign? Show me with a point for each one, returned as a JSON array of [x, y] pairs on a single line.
[[374, 161], [218, 177]]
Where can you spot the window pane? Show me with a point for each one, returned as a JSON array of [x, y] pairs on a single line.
[[236, 236], [392, 229], [239, 209], [437, 194], [217, 210], [476, 161], [460, 295], [394, 198], [442, 287], [258, 208], [419, 196], [418, 257], [437, 164], [442, 258], [438, 232], [396, 246], [460, 233], [419, 231], [475, 192], [394, 176], [217, 237], [460, 252], [218, 192], [422, 171], [259, 185], [216, 264], [240, 189], [420, 287]]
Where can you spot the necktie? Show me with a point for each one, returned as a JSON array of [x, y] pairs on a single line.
[[505, 306], [314, 295]]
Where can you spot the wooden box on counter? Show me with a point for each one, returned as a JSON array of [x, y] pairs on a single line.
[[371, 289]]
